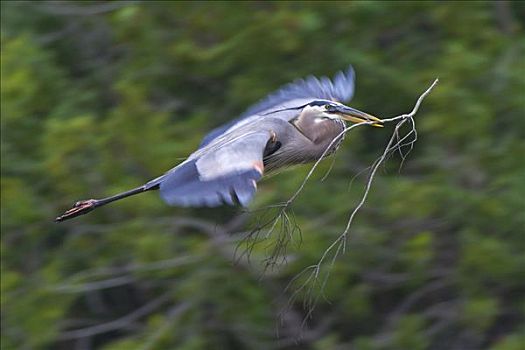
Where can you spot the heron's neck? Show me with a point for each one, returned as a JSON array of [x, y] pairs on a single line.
[[319, 130]]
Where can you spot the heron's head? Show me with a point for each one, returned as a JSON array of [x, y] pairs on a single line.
[[335, 110]]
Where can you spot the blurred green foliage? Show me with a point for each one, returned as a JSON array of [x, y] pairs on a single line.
[[99, 97]]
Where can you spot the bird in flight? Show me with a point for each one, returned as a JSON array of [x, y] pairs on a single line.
[[293, 125]]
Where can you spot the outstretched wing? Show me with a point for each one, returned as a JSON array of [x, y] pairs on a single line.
[[295, 94], [223, 173], [341, 89]]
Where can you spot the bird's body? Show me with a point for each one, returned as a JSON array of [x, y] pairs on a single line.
[[310, 138], [293, 126]]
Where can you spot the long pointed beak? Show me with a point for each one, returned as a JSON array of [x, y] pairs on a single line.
[[356, 116]]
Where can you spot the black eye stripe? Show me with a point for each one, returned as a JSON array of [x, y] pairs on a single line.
[[329, 107], [318, 103]]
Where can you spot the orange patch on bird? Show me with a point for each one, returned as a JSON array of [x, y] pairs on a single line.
[[259, 166]]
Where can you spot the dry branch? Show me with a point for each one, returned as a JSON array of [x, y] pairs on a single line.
[[338, 246], [283, 223]]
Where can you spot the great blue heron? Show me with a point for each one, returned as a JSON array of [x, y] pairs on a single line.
[[294, 125]]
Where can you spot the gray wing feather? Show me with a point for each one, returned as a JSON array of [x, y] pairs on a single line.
[[342, 90], [225, 172], [241, 153], [295, 94]]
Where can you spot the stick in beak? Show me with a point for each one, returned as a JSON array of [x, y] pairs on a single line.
[[356, 116]]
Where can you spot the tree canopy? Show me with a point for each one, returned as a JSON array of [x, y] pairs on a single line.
[[100, 97]]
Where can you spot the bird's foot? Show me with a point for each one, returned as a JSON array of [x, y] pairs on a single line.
[[80, 208]]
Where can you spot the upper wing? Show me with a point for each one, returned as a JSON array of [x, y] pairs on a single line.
[[295, 94], [222, 173], [341, 90]]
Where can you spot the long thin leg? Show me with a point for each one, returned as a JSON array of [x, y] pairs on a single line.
[[85, 206]]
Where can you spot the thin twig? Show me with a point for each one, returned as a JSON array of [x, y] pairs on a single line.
[[339, 244], [287, 228]]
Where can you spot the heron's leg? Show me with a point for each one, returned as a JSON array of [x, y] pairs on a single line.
[[85, 206]]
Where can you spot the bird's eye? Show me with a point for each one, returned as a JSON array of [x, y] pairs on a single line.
[[330, 108]]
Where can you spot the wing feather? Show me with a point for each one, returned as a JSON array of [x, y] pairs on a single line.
[[297, 93], [223, 173]]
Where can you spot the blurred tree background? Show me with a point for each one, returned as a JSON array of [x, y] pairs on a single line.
[[99, 97]]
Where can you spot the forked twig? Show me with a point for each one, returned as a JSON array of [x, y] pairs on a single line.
[[286, 229], [338, 246]]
